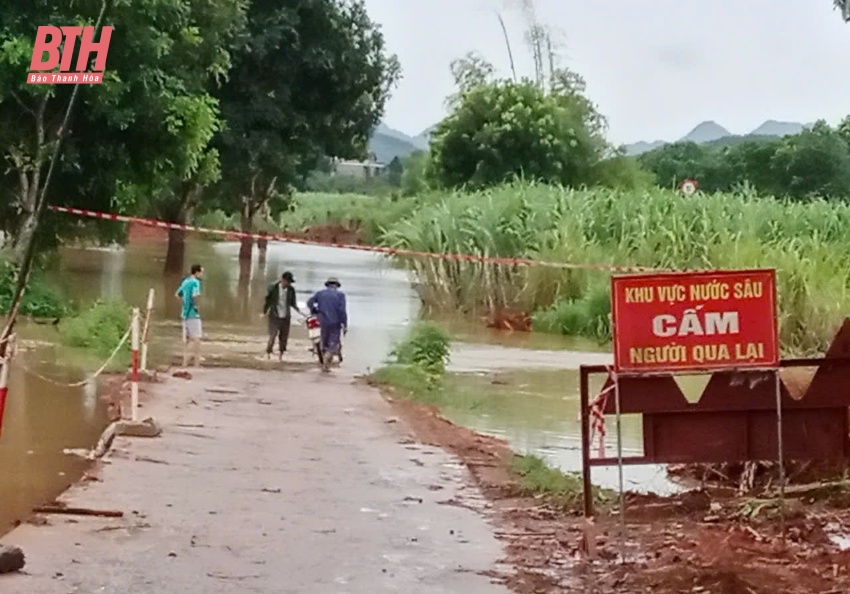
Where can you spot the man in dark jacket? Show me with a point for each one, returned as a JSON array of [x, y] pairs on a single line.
[[333, 318], [279, 300]]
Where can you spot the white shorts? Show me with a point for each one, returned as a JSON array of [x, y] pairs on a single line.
[[192, 329]]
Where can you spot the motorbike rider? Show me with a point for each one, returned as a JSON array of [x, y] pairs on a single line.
[[330, 306]]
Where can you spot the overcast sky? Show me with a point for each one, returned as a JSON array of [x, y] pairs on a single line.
[[656, 68]]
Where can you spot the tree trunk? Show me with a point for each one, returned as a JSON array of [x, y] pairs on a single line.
[[29, 181], [244, 289], [262, 247], [175, 255], [28, 222], [246, 246]]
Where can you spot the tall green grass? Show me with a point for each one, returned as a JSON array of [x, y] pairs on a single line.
[[805, 242]]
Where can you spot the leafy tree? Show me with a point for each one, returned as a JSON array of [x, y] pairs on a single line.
[[815, 162], [844, 7], [622, 172], [132, 139], [309, 78], [675, 162], [500, 129], [752, 162]]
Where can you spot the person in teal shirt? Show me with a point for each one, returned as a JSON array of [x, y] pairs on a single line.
[[188, 293]]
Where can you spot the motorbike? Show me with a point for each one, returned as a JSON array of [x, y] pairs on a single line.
[[314, 332]]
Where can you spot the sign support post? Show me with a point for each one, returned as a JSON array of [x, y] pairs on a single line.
[[620, 469], [781, 454], [585, 442]]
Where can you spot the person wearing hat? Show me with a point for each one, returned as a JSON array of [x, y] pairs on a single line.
[[279, 300], [329, 304]]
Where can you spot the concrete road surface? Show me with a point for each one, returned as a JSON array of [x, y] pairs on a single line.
[[265, 482]]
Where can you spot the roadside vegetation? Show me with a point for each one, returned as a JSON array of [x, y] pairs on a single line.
[[96, 329], [40, 300]]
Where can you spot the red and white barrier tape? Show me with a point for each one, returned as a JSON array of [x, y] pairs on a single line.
[[597, 418], [363, 248]]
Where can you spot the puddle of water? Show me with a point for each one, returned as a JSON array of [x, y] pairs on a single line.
[[838, 536]]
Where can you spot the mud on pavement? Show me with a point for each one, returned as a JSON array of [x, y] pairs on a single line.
[[266, 482]]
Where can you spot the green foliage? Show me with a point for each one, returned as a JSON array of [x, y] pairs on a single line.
[[326, 183], [449, 393], [394, 171], [586, 316], [309, 78], [98, 328], [371, 214], [413, 177], [136, 137], [427, 348], [40, 301], [813, 163], [505, 130]]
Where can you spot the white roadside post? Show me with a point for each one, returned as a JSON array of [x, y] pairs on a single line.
[[144, 363], [134, 373]]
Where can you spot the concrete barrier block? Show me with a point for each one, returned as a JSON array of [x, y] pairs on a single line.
[[147, 428]]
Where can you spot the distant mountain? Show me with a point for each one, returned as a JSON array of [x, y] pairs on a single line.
[[706, 132], [423, 139], [774, 128], [643, 147], [388, 143], [713, 133]]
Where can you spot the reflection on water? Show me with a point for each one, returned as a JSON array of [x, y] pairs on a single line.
[[381, 301]]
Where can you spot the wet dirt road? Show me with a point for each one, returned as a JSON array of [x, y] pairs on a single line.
[[265, 482]]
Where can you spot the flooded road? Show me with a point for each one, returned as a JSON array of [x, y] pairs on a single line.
[[528, 382], [41, 420]]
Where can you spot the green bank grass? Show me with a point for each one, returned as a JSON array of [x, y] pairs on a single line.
[[563, 488]]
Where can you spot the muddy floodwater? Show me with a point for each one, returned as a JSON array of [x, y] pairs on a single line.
[[529, 381], [41, 420]]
